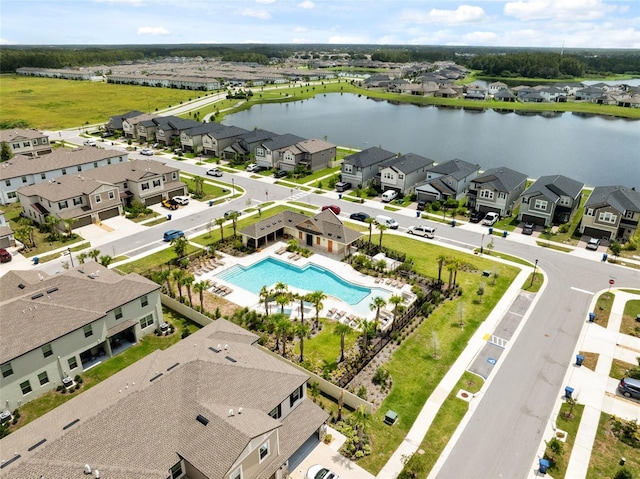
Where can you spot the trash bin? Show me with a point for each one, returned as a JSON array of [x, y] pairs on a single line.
[[604, 256], [36, 260], [453, 223], [417, 214], [579, 359], [592, 317], [543, 466], [568, 391], [339, 196], [169, 217], [210, 202], [490, 230], [504, 234]]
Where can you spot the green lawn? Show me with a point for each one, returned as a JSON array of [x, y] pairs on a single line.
[[607, 451], [142, 265], [533, 283], [570, 425], [211, 191], [325, 347], [631, 312], [603, 308]]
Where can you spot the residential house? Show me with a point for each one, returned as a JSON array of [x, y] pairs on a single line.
[[550, 200], [166, 128], [497, 86], [214, 142], [589, 93], [497, 190], [570, 88], [447, 180], [475, 92], [245, 146], [191, 139], [363, 166], [504, 95], [404, 172], [215, 406], [57, 326], [611, 212], [26, 142], [23, 170], [115, 122], [269, 153], [312, 154], [552, 93], [181, 82], [6, 233], [130, 126], [324, 231]]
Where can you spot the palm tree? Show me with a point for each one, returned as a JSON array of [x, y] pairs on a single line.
[[265, 294], [234, 221], [52, 225], [366, 326], [302, 298], [177, 276], [200, 287], [281, 287], [220, 222], [188, 280], [279, 325], [303, 331], [381, 227], [93, 254], [165, 275], [106, 260], [82, 257], [456, 266], [442, 259], [68, 223], [317, 297], [370, 221], [376, 305], [452, 266], [179, 246], [397, 301], [282, 299], [342, 330]]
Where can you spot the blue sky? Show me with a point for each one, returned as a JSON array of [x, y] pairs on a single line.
[[528, 23]]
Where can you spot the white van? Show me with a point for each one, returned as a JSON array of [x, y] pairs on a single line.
[[387, 221], [389, 195]]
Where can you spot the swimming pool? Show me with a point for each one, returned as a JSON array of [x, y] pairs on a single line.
[[310, 277]]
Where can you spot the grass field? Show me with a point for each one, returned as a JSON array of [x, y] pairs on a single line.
[[607, 451]]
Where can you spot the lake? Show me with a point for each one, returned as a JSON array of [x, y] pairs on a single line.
[[595, 150]]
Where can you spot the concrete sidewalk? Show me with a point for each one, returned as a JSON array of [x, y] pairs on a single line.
[[596, 389]]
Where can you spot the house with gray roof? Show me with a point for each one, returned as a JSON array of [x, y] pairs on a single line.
[[57, 326], [447, 180], [26, 142], [362, 167], [215, 141], [313, 155], [166, 128], [130, 125], [269, 152], [245, 146], [402, 173], [215, 406], [611, 212], [115, 122], [550, 200], [24, 170], [497, 190]]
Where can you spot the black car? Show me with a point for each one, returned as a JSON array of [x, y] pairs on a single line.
[[420, 206], [229, 213], [280, 174], [259, 168], [528, 228], [359, 216], [476, 217]]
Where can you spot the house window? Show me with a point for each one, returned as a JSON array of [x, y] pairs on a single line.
[[16, 146], [46, 350], [144, 301], [629, 214], [607, 217], [540, 205], [565, 201], [98, 198], [7, 182], [73, 362], [112, 195], [347, 168], [174, 175], [24, 179], [486, 194], [502, 195], [176, 471], [125, 186], [295, 396], [146, 321], [88, 331], [44, 141], [26, 387], [589, 212], [63, 204], [79, 168], [276, 413], [108, 161], [156, 183], [264, 451], [118, 312], [43, 378], [77, 201], [237, 474], [145, 186], [95, 164], [6, 369], [43, 176], [26, 144], [64, 171], [259, 152], [11, 194]]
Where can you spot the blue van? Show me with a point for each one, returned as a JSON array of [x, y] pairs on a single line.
[[173, 234]]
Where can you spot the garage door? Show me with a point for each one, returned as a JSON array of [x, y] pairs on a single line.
[[113, 212], [153, 200], [178, 192], [488, 209], [533, 219], [84, 221], [596, 233]]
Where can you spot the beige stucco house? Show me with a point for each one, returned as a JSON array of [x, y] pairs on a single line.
[[26, 142]]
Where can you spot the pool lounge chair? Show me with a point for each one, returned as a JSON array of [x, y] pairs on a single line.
[[281, 250], [340, 314], [331, 312]]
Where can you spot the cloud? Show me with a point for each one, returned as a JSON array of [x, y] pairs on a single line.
[[153, 31], [251, 12], [573, 10], [479, 38], [5, 42], [307, 4], [464, 14]]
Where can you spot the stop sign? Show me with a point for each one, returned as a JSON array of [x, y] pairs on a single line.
[[611, 281]]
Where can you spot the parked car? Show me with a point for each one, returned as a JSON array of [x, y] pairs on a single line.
[[421, 230], [181, 200], [387, 221], [476, 217], [155, 145], [260, 168], [171, 204], [214, 172], [361, 216], [146, 152], [173, 234], [280, 174], [178, 151], [342, 186], [389, 196], [107, 134], [528, 228], [593, 244], [334, 208], [491, 218], [251, 167], [5, 256], [629, 387], [421, 205], [229, 213], [320, 472], [90, 143]]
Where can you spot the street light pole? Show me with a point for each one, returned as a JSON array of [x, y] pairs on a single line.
[[70, 257], [535, 266], [482, 244], [233, 186]]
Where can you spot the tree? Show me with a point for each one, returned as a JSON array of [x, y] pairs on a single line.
[[442, 259], [188, 281], [5, 152], [303, 331], [370, 221], [381, 228], [51, 222], [556, 447], [200, 287], [234, 221], [68, 224], [220, 222], [179, 246], [82, 257], [265, 294], [199, 186], [282, 299], [376, 305], [177, 276], [342, 330], [106, 260], [397, 301], [368, 329], [615, 248], [94, 254], [317, 297], [282, 329]]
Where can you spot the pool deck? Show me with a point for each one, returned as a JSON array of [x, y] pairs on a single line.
[[246, 298]]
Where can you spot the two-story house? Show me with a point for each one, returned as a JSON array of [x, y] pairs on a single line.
[[611, 212], [550, 200], [362, 167], [245, 145], [214, 142], [497, 190], [115, 122], [130, 125], [167, 128], [23, 170], [191, 139], [404, 172], [57, 326], [26, 142], [6, 233], [313, 154], [269, 152], [215, 406], [446, 180]]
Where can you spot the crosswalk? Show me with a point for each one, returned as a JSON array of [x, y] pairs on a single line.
[[498, 341]]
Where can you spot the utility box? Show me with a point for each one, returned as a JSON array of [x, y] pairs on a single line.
[[391, 417]]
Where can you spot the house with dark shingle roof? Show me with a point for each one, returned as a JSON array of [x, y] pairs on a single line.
[[270, 152], [611, 212], [130, 125], [215, 406], [363, 166], [550, 200], [313, 154], [497, 190], [57, 326], [324, 231], [447, 180], [115, 122], [216, 140], [402, 173], [245, 145], [166, 128]]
